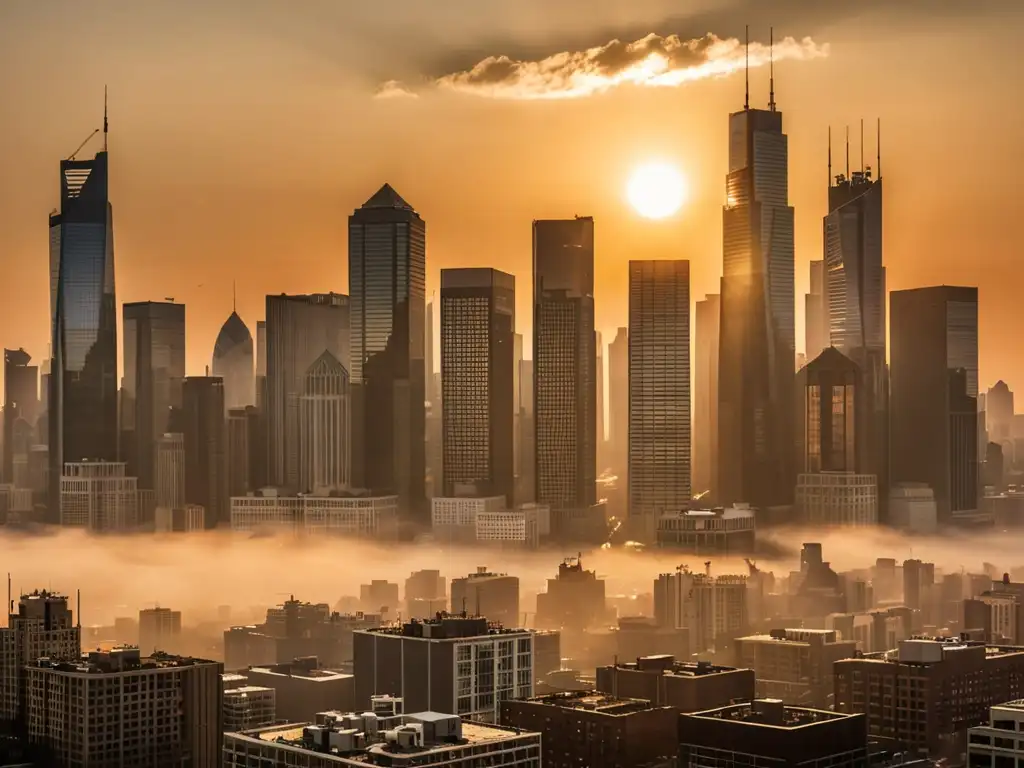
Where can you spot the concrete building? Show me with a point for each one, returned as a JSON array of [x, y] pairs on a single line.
[[349, 515], [206, 449], [380, 596], [574, 600], [301, 689], [494, 595], [795, 665], [995, 744], [618, 404], [248, 707], [768, 732], [191, 517], [712, 608], [239, 444], [98, 496], [722, 530], [173, 714], [170, 471], [159, 630], [325, 424], [921, 675], [426, 593], [594, 729], [451, 663], [400, 741], [842, 499], [816, 329], [659, 393], [705, 395], [912, 507], [523, 526], [453, 518], [21, 404], [685, 686]]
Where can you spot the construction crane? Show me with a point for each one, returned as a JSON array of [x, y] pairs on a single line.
[[80, 146]]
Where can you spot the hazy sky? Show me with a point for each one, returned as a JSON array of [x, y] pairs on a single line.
[[243, 133]]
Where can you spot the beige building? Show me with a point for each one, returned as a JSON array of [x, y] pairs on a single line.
[[98, 496]]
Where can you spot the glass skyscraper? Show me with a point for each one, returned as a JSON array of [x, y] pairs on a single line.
[[565, 361], [659, 392], [83, 308], [233, 361], [757, 343], [478, 382], [387, 283]]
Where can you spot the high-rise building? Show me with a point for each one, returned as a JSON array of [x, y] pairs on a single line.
[[527, 490], [705, 396], [757, 343], [83, 312], [565, 382], [831, 415], [659, 392], [239, 443], [618, 404], [517, 410], [494, 595], [325, 420], [233, 361], [712, 608], [816, 329], [159, 630], [299, 330], [999, 413], [575, 599], [477, 380], [154, 368], [855, 299], [599, 376], [934, 433], [98, 496], [170, 471], [21, 409], [206, 476], [387, 277], [428, 354]]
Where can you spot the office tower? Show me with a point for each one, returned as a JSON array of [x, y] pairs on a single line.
[[659, 392], [98, 496], [248, 707], [855, 300], [426, 593], [527, 435], [261, 364], [816, 325], [83, 311], [379, 596], [705, 396], [599, 377], [21, 408], [154, 367], [387, 275], [174, 718], [206, 477], [170, 471], [325, 462], [933, 405], [574, 600], [712, 608], [494, 595], [832, 417], [233, 362], [159, 630], [428, 354], [477, 381], [757, 344], [618, 403], [239, 461], [999, 413], [517, 408], [299, 330], [449, 664], [352, 515], [565, 382]]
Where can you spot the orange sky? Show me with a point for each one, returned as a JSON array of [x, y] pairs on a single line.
[[243, 133]]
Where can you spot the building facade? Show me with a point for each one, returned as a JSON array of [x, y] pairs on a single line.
[[98, 496], [170, 470], [205, 436], [21, 404], [705, 396], [311, 515], [712, 608], [325, 423], [618, 404], [837, 499], [234, 361]]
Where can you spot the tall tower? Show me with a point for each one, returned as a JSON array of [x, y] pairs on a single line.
[[934, 409], [815, 315], [659, 392], [83, 312], [21, 409], [756, 378], [233, 361], [565, 382], [154, 368], [387, 276], [705, 396], [325, 461], [206, 476], [618, 404], [478, 381]]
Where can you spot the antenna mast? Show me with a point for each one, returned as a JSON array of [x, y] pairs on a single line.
[[847, 152], [878, 150], [830, 156], [862, 169], [234, 296], [746, 66], [106, 125], [771, 68]]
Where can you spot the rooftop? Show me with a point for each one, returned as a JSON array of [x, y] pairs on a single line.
[[445, 626], [667, 665], [728, 513], [300, 672], [593, 701], [120, 659], [770, 713]]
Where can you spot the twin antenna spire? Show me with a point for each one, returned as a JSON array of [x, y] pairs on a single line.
[[771, 68], [878, 151]]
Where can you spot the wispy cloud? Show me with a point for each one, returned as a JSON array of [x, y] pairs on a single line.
[[393, 89], [650, 61]]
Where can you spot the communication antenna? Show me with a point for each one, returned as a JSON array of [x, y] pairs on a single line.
[[862, 145], [847, 152], [830, 156], [106, 125], [234, 296], [78, 610], [771, 68], [878, 150], [746, 66]]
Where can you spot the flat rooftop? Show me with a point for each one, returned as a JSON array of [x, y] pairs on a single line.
[[666, 664], [771, 713], [592, 701], [311, 675]]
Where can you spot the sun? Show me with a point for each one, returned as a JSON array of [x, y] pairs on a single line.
[[656, 190]]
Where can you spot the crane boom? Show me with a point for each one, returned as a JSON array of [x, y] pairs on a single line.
[[80, 146]]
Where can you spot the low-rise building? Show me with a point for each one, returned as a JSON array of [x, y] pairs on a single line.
[[998, 743], [583, 728], [350, 515], [840, 499], [453, 518], [397, 741], [302, 689], [248, 707], [685, 686], [720, 530]]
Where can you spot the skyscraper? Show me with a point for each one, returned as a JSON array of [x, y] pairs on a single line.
[[387, 276], [233, 361], [325, 461], [659, 392], [170, 471], [478, 381], [933, 406], [816, 329], [83, 310], [599, 407], [299, 330], [238, 444], [154, 368], [206, 477], [999, 413], [705, 396], [757, 345], [831, 417], [565, 382], [618, 404], [21, 406]]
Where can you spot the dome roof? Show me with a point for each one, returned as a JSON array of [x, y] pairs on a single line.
[[234, 333]]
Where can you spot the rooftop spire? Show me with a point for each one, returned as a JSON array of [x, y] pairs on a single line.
[[862, 168], [106, 125], [771, 68], [830, 155], [234, 296], [847, 152], [878, 150], [746, 66]]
